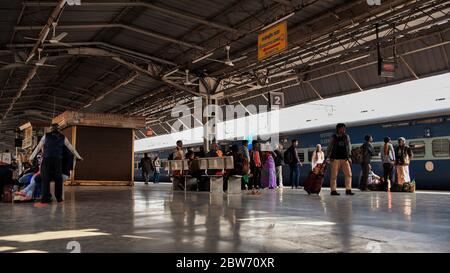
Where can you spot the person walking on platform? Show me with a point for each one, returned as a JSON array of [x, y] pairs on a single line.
[[255, 166], [146, 167], [318, 156], [388, 160], [53, 144], [157, 167], [293, 160], [367, 151], [339, 155], [279, 165], [403, 156]]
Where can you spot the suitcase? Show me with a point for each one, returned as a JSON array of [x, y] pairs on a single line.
[[314, 181]]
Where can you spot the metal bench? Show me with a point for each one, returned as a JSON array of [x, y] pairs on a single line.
[[214, 182]]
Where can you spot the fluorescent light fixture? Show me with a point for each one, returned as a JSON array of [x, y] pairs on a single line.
[[278, 21], [355, 59], [170, 73], [87, 105], [202, 57]]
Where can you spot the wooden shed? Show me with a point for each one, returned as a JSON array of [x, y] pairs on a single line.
[[106, 143]]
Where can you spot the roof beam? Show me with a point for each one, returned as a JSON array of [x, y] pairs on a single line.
[[25, 83], [353, 80], [119, 50], [162, 10], [409, 68], [313, 89], [46, 28], [165, 81], [42, 36], [123, 26]]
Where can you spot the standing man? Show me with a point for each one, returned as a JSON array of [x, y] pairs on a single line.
[[279, 165], [255, 165], [294, 164], [146, 166], [367, 151], [53, 144], [339, 154]]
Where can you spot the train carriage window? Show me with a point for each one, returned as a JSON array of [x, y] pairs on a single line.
[[377, 149], [301, 156], [441, 147], [418, 148]]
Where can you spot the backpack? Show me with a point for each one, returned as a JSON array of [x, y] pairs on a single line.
[[287, 156], [357, 155]]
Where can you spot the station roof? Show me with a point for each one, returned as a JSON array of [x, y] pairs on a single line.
[[116, 53]]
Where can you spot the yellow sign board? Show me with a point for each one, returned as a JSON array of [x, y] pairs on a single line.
[[272, 41]]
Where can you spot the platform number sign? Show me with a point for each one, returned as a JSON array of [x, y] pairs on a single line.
[[73, 2], [276, 100]]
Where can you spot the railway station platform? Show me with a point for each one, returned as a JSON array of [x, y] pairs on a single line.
[[154, 219], [164, 128]]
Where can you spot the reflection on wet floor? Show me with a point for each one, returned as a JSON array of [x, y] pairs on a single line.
[[154, 219]]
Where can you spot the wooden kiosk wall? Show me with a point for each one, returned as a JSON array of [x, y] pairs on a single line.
[[107, 151]]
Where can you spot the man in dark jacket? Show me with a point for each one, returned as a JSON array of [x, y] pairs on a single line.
[[146, 166], [339, 154], [52, 143], [367, 151]]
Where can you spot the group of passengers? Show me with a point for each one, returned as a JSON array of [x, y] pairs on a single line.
[[259, 169], [339, 154], [395, 162], [263, 168]]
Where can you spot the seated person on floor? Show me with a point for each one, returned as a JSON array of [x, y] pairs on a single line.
[[32, 191], [374, 181], [27, 174]]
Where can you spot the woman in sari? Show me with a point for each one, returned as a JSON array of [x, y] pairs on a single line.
[[268, 172]]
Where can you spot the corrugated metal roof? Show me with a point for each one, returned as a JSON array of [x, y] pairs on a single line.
[[100, 74]]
